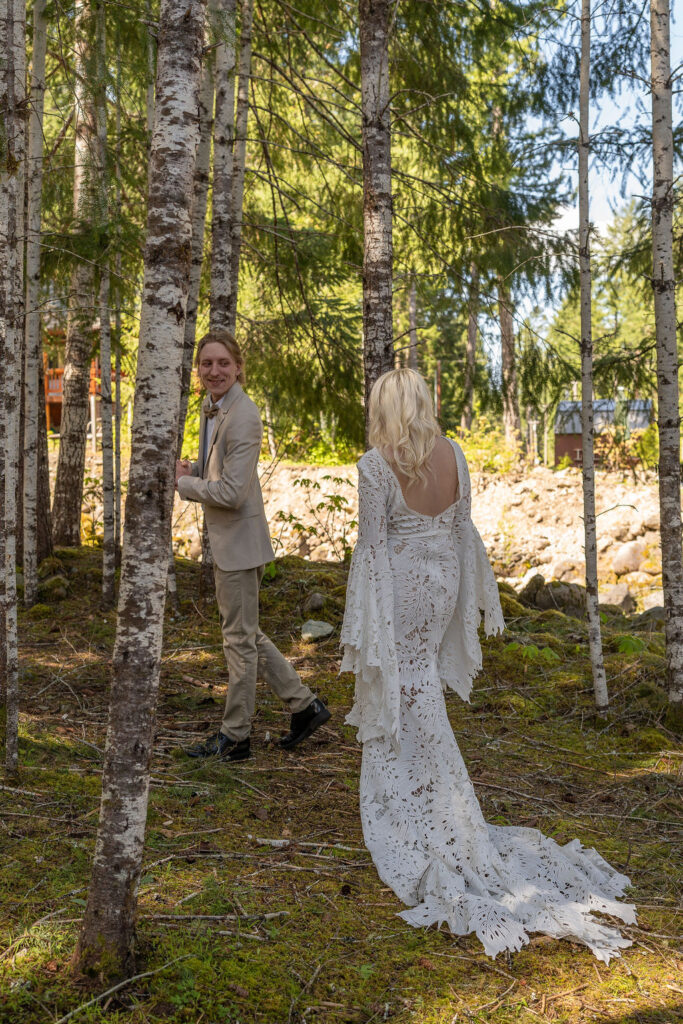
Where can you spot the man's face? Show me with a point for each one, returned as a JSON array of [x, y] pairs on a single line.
[[217, 369]]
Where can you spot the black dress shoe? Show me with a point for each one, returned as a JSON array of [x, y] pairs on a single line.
[[304, 723], [222, 747]]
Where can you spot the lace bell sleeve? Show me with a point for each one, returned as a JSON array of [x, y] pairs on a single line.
[[460, 658], [367, 637]]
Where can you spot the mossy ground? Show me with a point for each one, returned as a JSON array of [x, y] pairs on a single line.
[[308, 932]]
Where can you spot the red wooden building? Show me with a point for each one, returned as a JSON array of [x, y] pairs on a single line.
[[636, 412]]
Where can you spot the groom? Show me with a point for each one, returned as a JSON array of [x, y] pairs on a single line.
[[225, 480]]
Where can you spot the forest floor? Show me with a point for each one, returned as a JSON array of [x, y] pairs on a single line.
[[258, 901]]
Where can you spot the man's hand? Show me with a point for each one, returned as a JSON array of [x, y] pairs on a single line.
[[182, 468]]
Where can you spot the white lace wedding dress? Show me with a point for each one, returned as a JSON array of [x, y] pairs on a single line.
[[417, 588]]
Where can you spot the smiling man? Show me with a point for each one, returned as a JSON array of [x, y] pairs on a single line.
[[224, 479]]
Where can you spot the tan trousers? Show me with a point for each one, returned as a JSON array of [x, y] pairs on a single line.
[[249, 652]]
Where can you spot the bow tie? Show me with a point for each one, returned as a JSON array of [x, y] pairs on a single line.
[[211, 410]]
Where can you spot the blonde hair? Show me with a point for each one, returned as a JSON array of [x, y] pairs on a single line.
[[228, 341], [402, 421]]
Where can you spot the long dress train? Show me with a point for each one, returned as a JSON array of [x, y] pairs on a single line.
[[417, 587]]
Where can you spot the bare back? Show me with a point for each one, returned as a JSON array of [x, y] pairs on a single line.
[[440, 489]]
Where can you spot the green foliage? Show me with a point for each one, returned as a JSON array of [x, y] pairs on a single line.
[[486, 449]]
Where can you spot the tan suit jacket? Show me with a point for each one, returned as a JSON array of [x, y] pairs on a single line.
[[228, 486]]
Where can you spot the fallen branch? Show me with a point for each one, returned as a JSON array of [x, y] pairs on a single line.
[[121, 984]]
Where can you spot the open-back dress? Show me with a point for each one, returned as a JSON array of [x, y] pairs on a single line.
[[417, 589]]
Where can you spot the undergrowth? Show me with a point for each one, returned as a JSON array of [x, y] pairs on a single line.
[[258, 902]]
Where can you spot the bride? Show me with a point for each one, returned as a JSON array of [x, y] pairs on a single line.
[[419, 581]]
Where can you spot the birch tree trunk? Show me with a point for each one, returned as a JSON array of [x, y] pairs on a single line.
[[199, 199], [109, 543], [107, 931], [68, 494], [663, 284], [374, 28], [222, 14], [44, 496], [412, 324], [33, 347], [511, 420], [239, 157], [13, 107], [590, 539], [470, 350]]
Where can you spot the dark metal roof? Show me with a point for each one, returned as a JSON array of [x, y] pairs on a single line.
[[637, 411]]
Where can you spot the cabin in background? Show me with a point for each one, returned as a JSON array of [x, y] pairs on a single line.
[[634, 413]]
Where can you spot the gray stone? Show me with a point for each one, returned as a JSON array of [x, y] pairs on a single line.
[[627, 557], [619, 596], [53, 589], [651, 618], [564, 597], [654, 599], [315, 602], [529, 592], [314, 629]]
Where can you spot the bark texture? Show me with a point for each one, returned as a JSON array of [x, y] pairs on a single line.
[[222, 17], [239, 157], [590, 539], [80, 339], [13, 109], [511, 420], [105, 941], [412, 324], [378, 354], [33, 347], [663, 284], [470, 351]]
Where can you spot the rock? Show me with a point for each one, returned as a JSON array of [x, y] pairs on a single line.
[[565, 597], [511, 608], [653, 599], [567, 569], [627, 557], [652, 618], [314, 629], [55, 588], [651, 519], [637, 580], [50, 566], [315, 602], [528, 593], [652, 564], [619, 596], [195, 549]]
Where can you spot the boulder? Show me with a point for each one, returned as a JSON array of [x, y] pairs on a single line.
[[565, 597], [55, 588], [653, 599], [195, 549], [619, 596], [652, 564], [529, 591], [627, 557], [652, 618], [637, 580], [314, 629], [567, 569], [651, 519], [315, 602]]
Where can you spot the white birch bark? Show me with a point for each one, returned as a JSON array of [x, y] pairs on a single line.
[[117, 323], [374, 27], [511, 421], [33, 346], [68, 491], [470, 350], [663, 284], [590, 539], [222, 16], [239, 157], [199, 202], [412, 324], [108, 545], [106, 936], [13, 105]]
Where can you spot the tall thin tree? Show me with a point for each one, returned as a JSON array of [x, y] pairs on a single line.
[[68, 491], [470, 350], [13, 108], [33, 346], [663, 283], [222, 19], [588, 470], [239, 156], [107, 930], [378, 348]]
